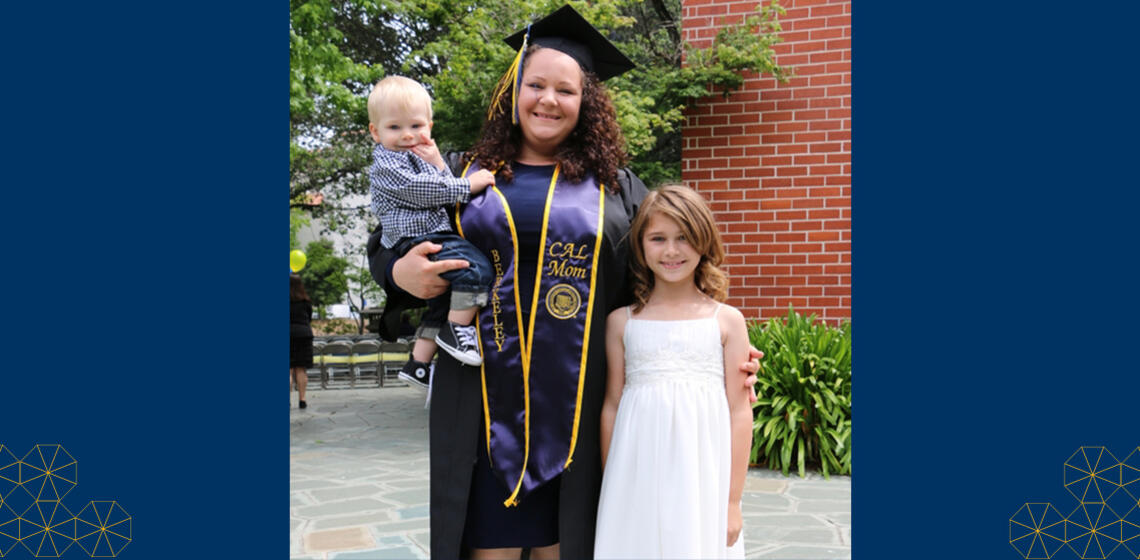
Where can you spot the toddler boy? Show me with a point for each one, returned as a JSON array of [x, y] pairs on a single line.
[[411, 187]]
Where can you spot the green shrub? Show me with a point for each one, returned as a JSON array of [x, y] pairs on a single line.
[[804, 411]]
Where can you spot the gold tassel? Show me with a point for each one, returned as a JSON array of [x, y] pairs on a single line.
[[510, 80]]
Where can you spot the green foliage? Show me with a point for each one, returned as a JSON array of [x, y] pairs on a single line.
[[297, 220], [737, 49], [324, 274], [804, 412], [339, 48], [362, 291]]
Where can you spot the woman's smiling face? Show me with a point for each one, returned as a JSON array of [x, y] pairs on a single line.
[[549, 100]]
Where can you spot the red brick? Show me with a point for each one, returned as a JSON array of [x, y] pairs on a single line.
[[727, 173], [809, 180], [807, 226], [811, 93], [839, 91], [823, 258], [808, 46], [828, 10], [838, 44], [827, 56], [839, 67], [840, 290], [791, 126], [807, 247], [792, 149], [823, 214], [790, 281], [827, 80], [824, 102], [818, 170], [823, 236], [825, 146]]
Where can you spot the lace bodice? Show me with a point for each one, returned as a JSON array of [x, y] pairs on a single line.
[[685, 350]]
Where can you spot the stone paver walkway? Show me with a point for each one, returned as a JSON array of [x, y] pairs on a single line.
[[358, 486]]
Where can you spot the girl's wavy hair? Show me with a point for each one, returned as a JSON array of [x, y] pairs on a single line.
[[684, 206], [596, 144]]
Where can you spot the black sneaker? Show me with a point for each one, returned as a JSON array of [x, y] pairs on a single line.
[[416, 374], [459, 341]]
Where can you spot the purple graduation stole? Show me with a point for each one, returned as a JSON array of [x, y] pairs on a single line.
[[531, 407]]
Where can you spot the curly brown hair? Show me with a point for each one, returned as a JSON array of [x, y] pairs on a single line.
[[684, 206], [595, 145]]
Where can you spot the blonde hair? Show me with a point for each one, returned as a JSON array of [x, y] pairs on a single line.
[[684, 206], [396, 92]]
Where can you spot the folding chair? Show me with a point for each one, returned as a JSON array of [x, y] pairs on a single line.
[[393, 356], [365, 361], [336, 360], [316, 373]]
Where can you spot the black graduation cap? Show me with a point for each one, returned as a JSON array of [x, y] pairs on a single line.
[[567, 31]]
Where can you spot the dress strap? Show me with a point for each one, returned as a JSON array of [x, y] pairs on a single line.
[[717, 310], [629, 312]]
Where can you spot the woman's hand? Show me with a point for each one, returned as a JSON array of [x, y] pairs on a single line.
[[416, 274], [735, 523], [751, 367]]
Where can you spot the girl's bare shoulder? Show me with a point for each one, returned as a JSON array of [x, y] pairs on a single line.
[[617, 317], [731, 320]]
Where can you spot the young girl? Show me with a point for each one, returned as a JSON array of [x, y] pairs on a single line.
[[675, 437]]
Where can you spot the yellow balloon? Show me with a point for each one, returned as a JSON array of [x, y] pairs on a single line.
[[296, 260]]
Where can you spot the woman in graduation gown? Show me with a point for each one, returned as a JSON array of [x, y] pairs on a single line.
[[515, 459]]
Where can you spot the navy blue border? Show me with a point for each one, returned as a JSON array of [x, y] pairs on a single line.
[[994, 246], [994, 196], [145, 241]]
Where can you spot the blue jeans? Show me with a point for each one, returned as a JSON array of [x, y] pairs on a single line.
[[470, 286]]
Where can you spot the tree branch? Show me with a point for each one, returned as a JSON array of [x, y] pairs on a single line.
[[667, 20]]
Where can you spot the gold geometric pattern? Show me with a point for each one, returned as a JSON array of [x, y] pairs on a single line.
[[1106, 521], [1037, 531], [102, 529], [33, 515]]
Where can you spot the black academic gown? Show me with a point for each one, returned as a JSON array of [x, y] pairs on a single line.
[[456, 401]]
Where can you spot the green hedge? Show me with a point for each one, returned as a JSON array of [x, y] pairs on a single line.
[[803, 416]]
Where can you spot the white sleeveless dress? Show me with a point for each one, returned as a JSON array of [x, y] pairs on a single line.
[[665, 485]]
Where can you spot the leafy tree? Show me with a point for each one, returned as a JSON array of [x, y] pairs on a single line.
[[324, 275], [338, 48], [368, 292]]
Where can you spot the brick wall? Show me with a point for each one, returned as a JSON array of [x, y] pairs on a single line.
[[774, 160]]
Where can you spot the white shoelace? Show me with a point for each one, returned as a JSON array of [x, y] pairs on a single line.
[[466, 336]]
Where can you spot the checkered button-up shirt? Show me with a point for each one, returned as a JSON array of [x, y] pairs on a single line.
[[410, 195]]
